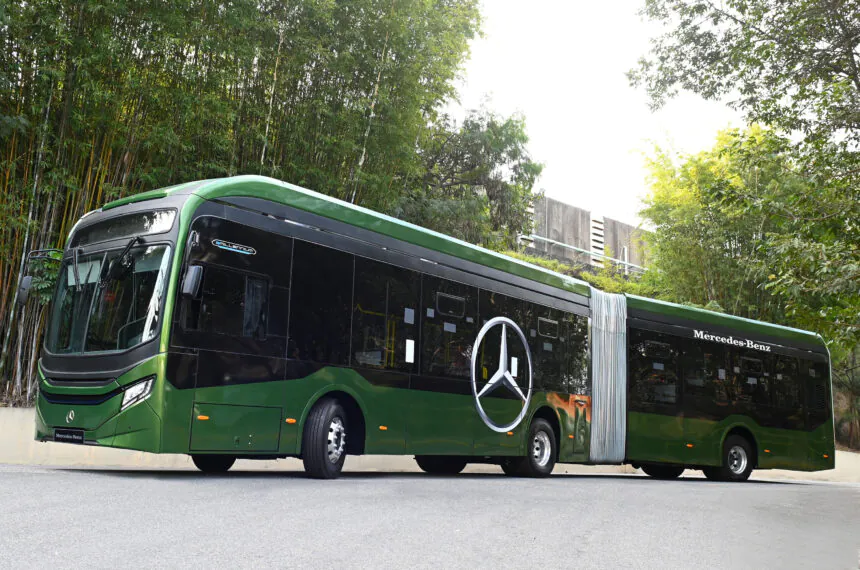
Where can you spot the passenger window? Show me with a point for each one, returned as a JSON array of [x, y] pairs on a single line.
[[653, 373], [448, 336], [547, 350], [222, 303], [320, 307], [384, 327], [229, 303], [576, 353], [785, 393]]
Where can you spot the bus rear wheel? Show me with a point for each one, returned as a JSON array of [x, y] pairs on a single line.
[[440, 464], [738, 461], [664, 472], [324, 440], [213, 463]]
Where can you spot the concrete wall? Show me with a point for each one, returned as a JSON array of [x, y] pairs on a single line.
[[563, 223], [618, 235], [572, 226], [17, 446]]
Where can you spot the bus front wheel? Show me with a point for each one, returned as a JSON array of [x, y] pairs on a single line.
[[324, 440], [213, 463]]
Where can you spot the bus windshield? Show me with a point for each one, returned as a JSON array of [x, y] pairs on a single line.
[[108, 301]]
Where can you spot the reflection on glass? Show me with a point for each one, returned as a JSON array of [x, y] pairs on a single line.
[[140, 223], [122, 313]]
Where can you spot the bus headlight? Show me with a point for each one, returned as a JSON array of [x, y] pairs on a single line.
[[137, 393]]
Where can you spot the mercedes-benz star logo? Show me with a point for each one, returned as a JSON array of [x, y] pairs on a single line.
[[502, 376], [70, 416]]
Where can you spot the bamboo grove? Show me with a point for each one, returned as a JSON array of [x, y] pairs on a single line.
[[99, 100]]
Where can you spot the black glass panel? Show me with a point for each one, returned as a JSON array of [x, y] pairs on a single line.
[[447, 340], [653, 372], [320, 305], [384, 326]]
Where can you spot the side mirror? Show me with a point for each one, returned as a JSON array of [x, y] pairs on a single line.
[[191, 283], [24, 290]]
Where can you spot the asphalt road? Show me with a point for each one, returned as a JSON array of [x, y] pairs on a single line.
[[71, 518]]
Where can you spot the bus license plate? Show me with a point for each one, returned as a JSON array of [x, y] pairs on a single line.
[[69, 435]]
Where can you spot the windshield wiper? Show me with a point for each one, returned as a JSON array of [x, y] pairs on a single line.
[[118, 266]]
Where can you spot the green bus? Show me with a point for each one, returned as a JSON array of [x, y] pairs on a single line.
[[249, 318]]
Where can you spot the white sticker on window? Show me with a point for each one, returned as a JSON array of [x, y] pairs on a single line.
[[737, 369], [657, 365], [721, 373], [812, 372], [431, 313], [533, 333], [779, 376], [752, 381], [547, 346], [450, 327], [470, 320], [410, 350], [409, 316], [513, 366]]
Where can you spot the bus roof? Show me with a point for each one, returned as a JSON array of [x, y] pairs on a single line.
[[320, 204], [741, 324]]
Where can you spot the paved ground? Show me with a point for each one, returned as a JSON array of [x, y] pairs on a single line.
[[170, 518]]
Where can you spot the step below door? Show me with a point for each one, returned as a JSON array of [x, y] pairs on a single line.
[[242, 429]]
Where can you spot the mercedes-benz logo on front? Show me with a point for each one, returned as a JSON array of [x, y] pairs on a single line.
[[502, 376], [70, 416]]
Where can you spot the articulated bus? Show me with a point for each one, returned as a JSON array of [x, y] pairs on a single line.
[[249, 318]]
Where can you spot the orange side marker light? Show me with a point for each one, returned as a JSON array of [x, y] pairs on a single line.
[[202, 418], [690, 445], [291, 420], [767, 451], [383, 428], [570, 436], [826, 456], [510, 433]]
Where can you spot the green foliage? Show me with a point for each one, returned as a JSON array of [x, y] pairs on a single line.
[[102, 100], [475, 180], [551, 264], [793, 66]]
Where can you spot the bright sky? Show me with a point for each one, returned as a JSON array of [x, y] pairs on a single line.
[[562, 64]]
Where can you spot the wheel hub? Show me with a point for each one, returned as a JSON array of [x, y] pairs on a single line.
[[336, 439], [541, 448], [737, 460]]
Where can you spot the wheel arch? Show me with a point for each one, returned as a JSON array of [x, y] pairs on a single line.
[[744, 432], [355, 417], [549, 414]]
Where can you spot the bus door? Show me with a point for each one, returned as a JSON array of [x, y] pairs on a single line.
[[655, 427], [442, 414]]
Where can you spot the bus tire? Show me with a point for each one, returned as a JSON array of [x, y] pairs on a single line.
[[324, 440], [213, 463], [440, 464], [738, 460], [664, 472], [511, 466], [712, 473], [541, 450]]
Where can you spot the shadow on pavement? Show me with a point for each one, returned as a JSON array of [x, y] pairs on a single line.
[[187, 474]]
